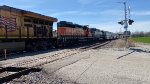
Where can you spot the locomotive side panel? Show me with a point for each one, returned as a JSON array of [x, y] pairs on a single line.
[[61, 31], [10, 21], [72, 32], [24, 24]]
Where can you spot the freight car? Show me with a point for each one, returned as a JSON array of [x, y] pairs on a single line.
[[97, 34], [20, 29], [100, 35], [107, 35]]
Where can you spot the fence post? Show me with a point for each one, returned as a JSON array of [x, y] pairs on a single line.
[[5, 54]]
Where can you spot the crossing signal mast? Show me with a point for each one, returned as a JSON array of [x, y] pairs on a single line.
[[126, 22]]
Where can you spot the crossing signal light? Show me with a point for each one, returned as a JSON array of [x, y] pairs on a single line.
[[120, 22], [130, 21]]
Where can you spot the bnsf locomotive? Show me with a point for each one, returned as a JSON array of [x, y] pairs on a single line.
[[70, 33], [25, 30]]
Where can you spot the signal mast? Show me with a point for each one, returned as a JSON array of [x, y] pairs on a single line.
[[126, 23]]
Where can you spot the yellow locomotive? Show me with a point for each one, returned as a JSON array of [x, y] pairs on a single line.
[[20, 29]]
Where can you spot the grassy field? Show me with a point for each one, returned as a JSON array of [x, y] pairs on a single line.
[[141, 39]]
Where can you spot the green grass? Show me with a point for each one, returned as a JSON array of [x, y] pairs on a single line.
[[141, 39]]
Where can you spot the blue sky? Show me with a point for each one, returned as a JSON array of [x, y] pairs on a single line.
[[102, 14]]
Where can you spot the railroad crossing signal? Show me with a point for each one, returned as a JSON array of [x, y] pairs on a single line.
[[121, 22], [130, 21]]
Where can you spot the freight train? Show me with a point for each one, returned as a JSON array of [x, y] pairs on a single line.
[[25, 30]]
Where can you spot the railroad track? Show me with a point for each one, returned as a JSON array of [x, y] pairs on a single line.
[[15, 70], [100, 45]]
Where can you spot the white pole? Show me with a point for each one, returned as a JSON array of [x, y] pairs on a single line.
[[129, 11], [126, 24]]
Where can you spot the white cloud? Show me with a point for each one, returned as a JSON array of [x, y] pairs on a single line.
[[114, 27], [141, 26], [64, 13], [107, 26], [141, 13], [84, 13]]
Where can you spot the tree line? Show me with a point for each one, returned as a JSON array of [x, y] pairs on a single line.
[[141, 34]]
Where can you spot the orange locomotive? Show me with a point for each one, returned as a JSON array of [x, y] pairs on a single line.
[[70, 33]]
